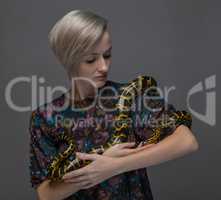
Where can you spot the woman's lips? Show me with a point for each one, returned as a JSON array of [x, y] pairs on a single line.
[[101, 77]]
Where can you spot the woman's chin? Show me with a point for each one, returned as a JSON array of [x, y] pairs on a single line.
[[100, 83]]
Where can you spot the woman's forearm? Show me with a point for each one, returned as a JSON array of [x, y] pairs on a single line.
[[181, 142], [55, 191]]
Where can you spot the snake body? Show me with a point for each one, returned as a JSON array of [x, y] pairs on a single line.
[[67, 161]]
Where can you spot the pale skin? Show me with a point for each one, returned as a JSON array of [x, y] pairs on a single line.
[[121, 157]]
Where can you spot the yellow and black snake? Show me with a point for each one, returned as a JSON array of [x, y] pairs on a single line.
[[62, 163]]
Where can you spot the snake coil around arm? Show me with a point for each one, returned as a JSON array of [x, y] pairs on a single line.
[[67, 161]]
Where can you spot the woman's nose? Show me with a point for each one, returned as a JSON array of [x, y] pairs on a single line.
[[102, 65]]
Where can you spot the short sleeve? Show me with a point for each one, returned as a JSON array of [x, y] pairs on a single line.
[[42, 148], [157, 118]]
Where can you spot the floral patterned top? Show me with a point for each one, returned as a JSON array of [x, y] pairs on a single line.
[[90, 128]]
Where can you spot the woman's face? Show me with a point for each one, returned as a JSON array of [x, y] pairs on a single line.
[[96, 65]]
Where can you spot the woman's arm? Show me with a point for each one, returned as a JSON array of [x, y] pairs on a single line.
[[56, 191], [178, 144], [181, 142]]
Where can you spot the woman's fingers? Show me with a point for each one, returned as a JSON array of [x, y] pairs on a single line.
[[139, 148], [127, 144], [144, 146], [75, 173], [131, 144], [126, 148], [76, 180]]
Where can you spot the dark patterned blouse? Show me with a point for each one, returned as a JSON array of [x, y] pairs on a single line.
[[90, 128]]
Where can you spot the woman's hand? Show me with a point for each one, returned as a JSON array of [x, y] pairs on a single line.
[[102, 168], [124, 149]]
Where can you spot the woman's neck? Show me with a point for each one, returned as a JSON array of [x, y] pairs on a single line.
[[80, 92]]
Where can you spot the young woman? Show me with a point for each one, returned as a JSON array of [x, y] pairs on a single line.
[[81, 41]]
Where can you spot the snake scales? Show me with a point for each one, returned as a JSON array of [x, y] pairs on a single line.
[[62, 163]]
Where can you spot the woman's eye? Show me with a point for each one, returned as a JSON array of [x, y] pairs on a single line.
[[89, 61], [107, 56], [92, 60]]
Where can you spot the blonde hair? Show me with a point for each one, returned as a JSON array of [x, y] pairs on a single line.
[[74, 36]]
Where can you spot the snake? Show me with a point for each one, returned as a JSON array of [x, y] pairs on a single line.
[[67, 160]]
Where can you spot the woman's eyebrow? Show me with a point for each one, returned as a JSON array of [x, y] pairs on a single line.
[[109, 49]]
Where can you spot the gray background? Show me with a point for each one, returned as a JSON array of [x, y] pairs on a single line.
[[177, 42]]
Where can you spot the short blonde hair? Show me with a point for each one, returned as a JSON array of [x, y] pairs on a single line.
[[74, 36]]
